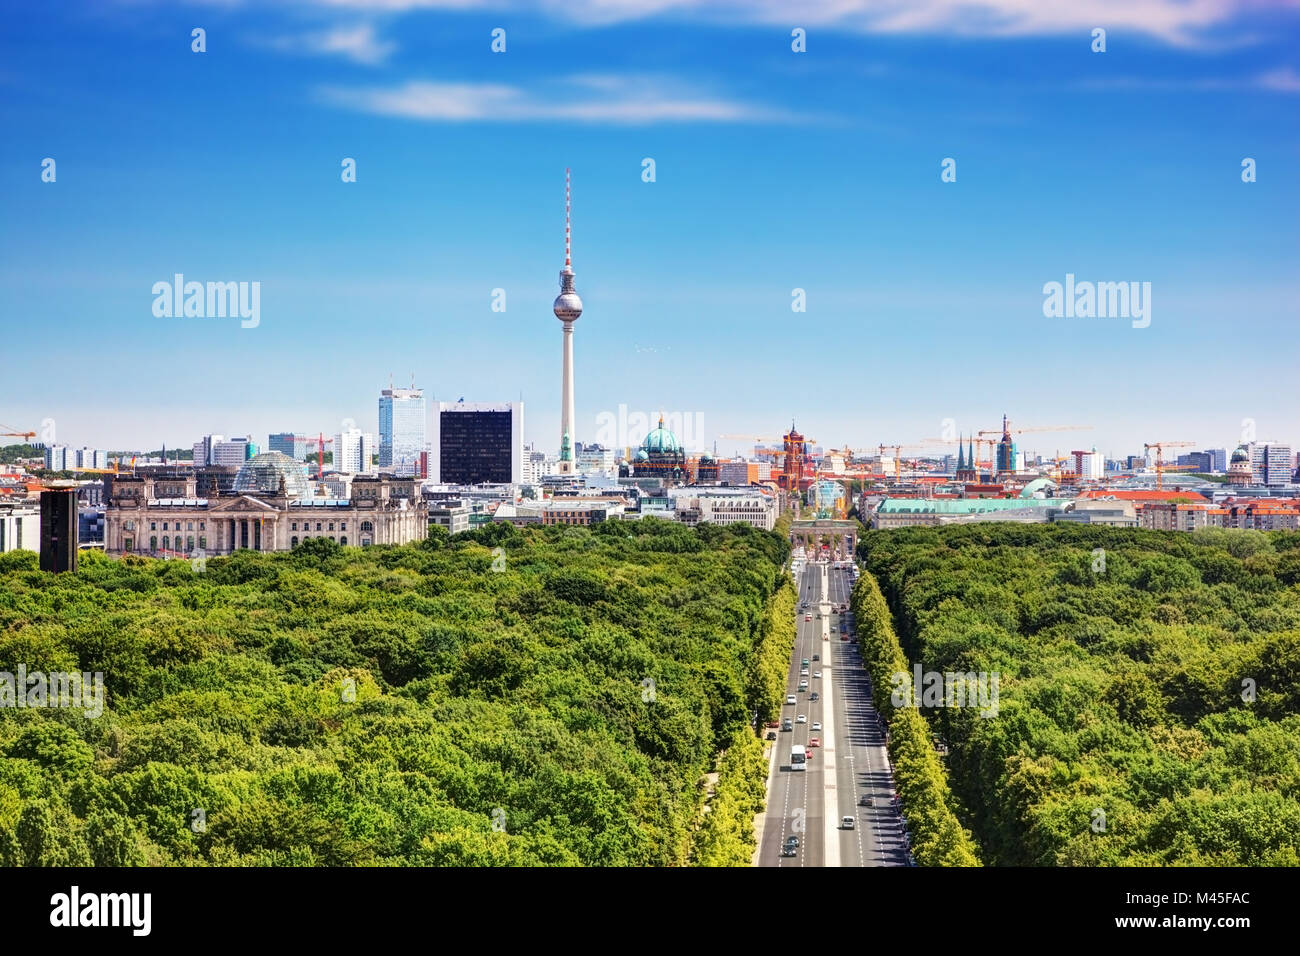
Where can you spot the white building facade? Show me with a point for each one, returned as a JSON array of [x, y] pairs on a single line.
[[354, 452]]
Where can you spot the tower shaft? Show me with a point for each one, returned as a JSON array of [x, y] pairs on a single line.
[[566, 410]]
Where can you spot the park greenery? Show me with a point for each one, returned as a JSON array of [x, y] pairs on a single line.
[[937, 838], [547, 696], [13, 453], [1149, 709]]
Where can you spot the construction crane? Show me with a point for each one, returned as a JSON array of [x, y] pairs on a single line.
[[1038, 428], [898, 451], [1161, 465], [321, 442], [15, 434], [1006, 429], [756, 439]]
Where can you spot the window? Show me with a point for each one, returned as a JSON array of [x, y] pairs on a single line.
[[331, 525], [343, 526], [164, 525], [294, 527], [343, 540], [189, 526], [203, 539], [293, 543], [367, 526], [128, 526], [128, 544], [153, 525], [318, 527], [203, 526], [167, 541], [189, 542], [153, 543]]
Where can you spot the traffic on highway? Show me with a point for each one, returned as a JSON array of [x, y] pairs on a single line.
[[831, 799]]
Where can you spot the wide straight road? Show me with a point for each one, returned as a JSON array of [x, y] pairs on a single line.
[[848, 764]]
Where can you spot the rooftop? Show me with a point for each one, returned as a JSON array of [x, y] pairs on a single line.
[[961, 506]]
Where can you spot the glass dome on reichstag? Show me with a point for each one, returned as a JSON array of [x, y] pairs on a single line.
[[263, 473]]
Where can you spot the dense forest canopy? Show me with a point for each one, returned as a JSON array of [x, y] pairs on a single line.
[[1149, 694], [550, 696]]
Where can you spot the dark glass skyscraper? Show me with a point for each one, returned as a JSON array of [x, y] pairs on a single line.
[[477, 443]]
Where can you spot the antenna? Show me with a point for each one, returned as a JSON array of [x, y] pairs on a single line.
[[566, 217]]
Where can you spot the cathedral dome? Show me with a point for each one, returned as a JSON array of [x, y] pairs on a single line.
[[661, 439]]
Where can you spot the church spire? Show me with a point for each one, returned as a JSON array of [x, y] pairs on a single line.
[[961, 455]]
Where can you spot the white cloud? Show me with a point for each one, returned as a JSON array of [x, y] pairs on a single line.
[[583, 99], [1284, 80], [357, 43], [1281, 80]]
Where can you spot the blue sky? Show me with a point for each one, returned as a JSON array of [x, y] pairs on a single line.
[[775, 170]]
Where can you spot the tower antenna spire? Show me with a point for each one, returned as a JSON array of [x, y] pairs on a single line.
[[566, 218]]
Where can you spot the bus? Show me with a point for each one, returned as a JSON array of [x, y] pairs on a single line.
[[798, 757]]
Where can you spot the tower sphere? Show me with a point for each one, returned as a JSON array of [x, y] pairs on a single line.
[[568, 305]]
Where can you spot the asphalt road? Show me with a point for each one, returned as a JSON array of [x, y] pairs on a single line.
[[851, 762]]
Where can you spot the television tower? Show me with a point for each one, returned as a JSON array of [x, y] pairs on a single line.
[[568, 307]]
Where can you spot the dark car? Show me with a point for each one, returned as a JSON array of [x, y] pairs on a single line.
[[817, 657], [814, 696], [792, 840]]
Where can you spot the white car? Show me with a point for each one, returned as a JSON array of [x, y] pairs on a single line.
[[817, 725], [789, 699], [804, 672], [847, 823], [817, 674], [801, 719]]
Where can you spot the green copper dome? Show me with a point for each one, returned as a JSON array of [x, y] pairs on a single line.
[[661, 440]]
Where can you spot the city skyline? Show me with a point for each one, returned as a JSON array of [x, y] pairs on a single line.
[[775, 171]]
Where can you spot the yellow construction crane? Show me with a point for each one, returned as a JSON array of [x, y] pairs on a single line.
[[898, 451], [1161, 465], [1038, 428]]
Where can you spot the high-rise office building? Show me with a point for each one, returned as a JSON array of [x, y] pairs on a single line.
[[354, 451], [476, 443], [534, 465], [1089, 464], [236, 451], [1270, 463], [595, 459], [91, 458], [203, 449], [289, 443], [401, 430], [56, 457]]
